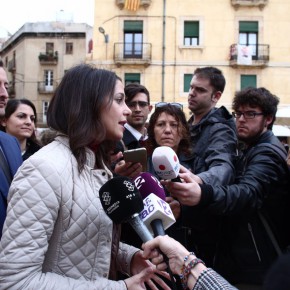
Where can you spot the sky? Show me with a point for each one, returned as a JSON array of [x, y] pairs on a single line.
[[18, 12]]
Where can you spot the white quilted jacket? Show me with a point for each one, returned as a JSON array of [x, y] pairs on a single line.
[[56, 234]]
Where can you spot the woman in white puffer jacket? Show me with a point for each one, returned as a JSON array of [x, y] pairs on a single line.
[[56, 234]]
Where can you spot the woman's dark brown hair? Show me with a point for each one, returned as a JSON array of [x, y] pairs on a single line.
[[12, 106], [183, 129], [76, 107]]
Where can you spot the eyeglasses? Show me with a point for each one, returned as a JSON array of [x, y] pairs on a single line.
[[162, 104], [247, 115], [140, 104]]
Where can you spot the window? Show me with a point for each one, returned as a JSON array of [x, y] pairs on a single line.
[[132, 78], [191, 33], [248, 35], [48, 80], [49, 48], [186, 82], [45, 105], [248, 81], [69, 48], [133, 39]]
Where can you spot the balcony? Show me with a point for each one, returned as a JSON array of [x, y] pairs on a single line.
[[43, 88], [48, 58], [12, 65], [249, 56], [143, 3], [41, 120], [260, 3], [11, 92], [132, 54]]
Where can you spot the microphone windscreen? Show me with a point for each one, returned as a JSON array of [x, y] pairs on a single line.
[[147, 183], [165, 162], [120, 199]]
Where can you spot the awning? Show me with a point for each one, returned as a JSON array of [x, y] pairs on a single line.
[[281, 131]]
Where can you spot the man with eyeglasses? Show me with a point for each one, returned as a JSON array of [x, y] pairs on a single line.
[[255, 208], [138, 100]]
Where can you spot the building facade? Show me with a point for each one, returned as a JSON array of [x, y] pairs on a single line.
[[160, 43], [37, 56]]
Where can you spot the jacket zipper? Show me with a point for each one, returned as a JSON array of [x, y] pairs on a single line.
[[254, 241]]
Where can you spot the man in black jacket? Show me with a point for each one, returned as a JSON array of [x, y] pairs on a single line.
[[255, 207], [214, 143]]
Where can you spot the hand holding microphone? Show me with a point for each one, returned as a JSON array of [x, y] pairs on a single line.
[[188, 192], [122, 202], [166, 163], [157, 214]]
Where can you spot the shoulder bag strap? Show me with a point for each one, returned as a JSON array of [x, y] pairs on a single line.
[[270, 234]]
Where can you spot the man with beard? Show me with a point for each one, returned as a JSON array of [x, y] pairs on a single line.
[[255, 207], [10, 154], [3, 90], [214, 143]]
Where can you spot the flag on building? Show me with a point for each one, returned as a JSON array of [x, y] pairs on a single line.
[[132, 4], [244, 55]]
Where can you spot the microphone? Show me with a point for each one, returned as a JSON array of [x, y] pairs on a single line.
[[122, 202], [157, 214], [166, 163]]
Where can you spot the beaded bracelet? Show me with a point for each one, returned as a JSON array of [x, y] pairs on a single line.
[[184, 260], [186, 270]]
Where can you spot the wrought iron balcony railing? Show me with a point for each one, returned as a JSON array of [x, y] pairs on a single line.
[[12, 65], [260, 3], [48, 58], [132, 53], [11, 92], [44, 88], [143, 3], [41, 120], [251, 55]]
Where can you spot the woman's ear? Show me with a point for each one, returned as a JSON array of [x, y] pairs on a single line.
[[3, 122]]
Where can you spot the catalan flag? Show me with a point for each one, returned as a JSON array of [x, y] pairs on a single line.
[[132, 4]]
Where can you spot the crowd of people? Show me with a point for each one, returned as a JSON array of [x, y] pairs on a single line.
[[231, 206]]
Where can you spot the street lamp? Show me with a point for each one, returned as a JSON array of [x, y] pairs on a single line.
[[106, 36]]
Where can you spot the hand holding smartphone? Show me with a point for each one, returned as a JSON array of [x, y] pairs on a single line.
[[138, 155]]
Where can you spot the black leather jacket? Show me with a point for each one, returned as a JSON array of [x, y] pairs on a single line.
[[214, 144], [261, 188]]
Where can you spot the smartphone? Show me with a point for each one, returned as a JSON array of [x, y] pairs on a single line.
[[138, 155]]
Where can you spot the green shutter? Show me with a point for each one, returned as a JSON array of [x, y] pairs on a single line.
[[248, 26], [248, 81], [186, 82], [191, 29], [133, 26], [132, 78]]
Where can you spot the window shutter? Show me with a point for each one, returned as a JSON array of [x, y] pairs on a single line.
[[248, 81], [133, 26], [191, 29], [186, 82], [132, 78], [248, 26]]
